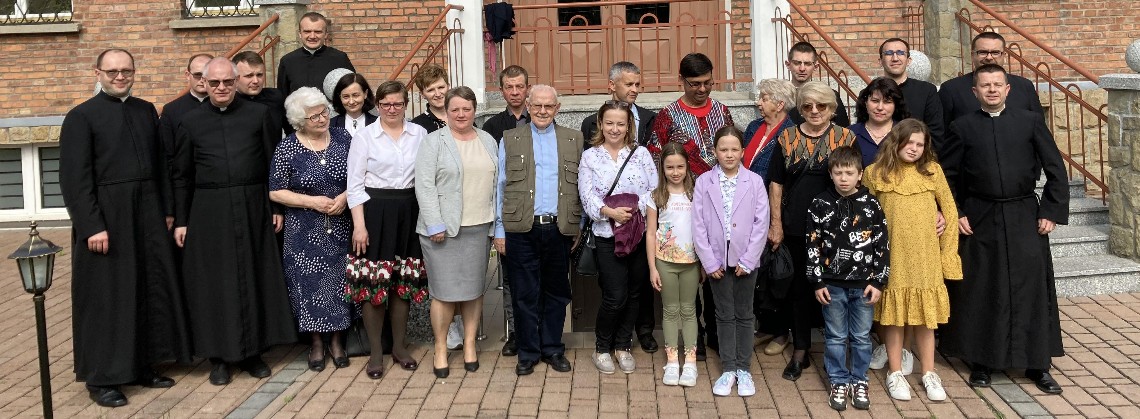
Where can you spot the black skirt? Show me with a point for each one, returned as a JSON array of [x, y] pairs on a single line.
[[393, 249]]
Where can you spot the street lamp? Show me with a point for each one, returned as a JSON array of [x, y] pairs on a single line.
[[36, 260]]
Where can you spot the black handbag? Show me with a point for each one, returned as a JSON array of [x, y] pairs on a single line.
[[775, 277], [356, 339], [585, 256]]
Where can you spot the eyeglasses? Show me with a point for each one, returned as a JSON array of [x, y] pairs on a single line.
[[226, 82], [318, 116], [196, 76], [708, 84], [114, 74], [818, 107], [992, 53], [898, 52], [543, 107], [391, 106]]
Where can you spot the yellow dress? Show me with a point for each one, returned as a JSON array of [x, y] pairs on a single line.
[[920, 259]]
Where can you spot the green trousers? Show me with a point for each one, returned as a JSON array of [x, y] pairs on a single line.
[[679, 285]]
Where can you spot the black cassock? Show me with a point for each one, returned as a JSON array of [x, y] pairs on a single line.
[[301, 68], [235, 288], [128, 309], [1003, 314]]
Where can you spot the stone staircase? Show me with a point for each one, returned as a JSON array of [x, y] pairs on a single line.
[[1082, 264]]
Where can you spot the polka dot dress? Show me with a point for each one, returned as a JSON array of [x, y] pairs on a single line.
[[315, 243]]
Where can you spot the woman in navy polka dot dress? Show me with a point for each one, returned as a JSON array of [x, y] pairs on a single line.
[[309, 176]]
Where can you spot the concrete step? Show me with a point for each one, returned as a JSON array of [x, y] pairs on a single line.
[[1095, 274], [1078, 240], [1076, 187], [1087, 212]]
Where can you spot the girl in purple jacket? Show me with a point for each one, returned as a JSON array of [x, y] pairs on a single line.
[[730, 227]]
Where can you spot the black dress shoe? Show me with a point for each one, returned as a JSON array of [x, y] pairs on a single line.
[[471, 366], [316, 365], [794, 369], [107, 396], [648, 343], [557, 361], [256, 367], [980, 377], [441, 372], [1044, 382], [510, 347], [220, 375], [154, 381], [340, 361], [374, 374], [525, 367]]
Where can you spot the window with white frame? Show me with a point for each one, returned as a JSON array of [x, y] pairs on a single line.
[[29, 183], [219, 8], [34, 11]]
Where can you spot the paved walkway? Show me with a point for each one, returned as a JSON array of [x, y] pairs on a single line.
[[1099, 375]]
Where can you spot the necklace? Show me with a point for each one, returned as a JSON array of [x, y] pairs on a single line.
[[320, 154], [878, 138]]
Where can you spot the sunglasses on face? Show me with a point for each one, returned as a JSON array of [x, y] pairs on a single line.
[[216, 83]]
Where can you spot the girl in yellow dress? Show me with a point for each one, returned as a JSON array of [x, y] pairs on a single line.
[[912, 189]]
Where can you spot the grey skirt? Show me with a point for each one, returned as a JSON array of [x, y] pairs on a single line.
[[457, 268]]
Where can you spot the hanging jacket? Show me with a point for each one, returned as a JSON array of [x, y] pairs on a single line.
[[500, 21]]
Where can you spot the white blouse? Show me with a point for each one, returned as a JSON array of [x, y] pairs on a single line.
[[354, 125], [597, 172], [376, 160]]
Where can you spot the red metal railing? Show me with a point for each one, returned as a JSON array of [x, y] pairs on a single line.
[[916, 27], [828, 72], [433, 53], [268, 43], [576, 51], [1071, 117]]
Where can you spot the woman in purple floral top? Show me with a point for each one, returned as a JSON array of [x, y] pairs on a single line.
[[621, 278]]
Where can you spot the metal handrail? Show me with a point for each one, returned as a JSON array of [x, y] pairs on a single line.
[[830, 42], [595, 4], [1042, 72], [1033, 39], [420, 43], [241, 45]]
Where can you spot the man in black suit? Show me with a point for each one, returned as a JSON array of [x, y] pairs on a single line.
[[957, 94], [251, 86], [625, 84]]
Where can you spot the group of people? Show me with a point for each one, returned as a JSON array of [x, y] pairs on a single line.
[[376, 211]]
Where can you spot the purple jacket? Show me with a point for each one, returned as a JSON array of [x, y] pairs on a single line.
[[749, 229]]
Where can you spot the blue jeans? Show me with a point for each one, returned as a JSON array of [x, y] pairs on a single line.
[[847, 317]]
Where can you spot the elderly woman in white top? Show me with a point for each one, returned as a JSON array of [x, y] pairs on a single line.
[[455, 186], [621, 278], [386, 268]]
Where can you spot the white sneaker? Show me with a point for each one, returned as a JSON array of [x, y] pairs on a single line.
[[897, 386], [455, 334], [933, 384], [745, 387], [604, 362], [879, 357], [723, 385], [625, 361], [672, 374], [688, 375], [907, 362]]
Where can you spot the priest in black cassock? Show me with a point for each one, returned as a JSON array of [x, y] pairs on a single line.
[[234, 285], [251, 86], [308, 65], [127, 306], [1003, 314], [172, 112], [958, 97]]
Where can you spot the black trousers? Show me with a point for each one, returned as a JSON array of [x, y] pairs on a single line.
[[621, 280], [538, 264], [706, 315]]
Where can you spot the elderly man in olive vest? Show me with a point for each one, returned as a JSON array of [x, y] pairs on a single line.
[[540, 213]]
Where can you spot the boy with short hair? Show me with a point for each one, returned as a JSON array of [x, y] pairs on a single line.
[[848, 263]]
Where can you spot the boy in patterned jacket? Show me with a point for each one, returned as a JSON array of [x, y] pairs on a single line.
[[848, 263]]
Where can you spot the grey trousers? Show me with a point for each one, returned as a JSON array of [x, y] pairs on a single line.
[[733, 295]]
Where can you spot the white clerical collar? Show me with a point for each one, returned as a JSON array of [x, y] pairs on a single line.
[[997, 113], [312, 51], [200, 98]]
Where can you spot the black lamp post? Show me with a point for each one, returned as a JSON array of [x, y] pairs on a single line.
[[36, 259]]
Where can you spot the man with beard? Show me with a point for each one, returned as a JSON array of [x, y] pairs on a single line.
[[234, 285], [127, 306]]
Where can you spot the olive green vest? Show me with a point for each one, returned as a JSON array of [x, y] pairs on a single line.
[[518, 194]]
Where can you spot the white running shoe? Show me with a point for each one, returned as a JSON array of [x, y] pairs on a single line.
[[745, 387], [933, 384], [723, 385], [897, 386], [672, 374], [879, 357], [688, 375], [907, 362], [455, 334], [625, 361]]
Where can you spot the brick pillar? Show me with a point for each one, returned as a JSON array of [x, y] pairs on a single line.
[[943, 45], [289, 15], [1124, 159]]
